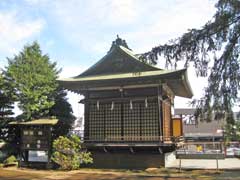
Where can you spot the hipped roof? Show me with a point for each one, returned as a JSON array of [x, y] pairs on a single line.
[[117, 61], [120, 67]]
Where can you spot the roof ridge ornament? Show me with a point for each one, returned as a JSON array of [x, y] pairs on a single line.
[[119, 42]]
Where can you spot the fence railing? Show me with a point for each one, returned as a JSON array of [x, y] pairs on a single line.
[[166, 139]]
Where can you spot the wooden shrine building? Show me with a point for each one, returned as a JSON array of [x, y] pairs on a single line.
[[35, 142], [128, 108]]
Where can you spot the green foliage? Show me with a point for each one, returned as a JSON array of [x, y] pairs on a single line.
[[232, 132], [6, 101], [11, 160], [2, 156], [68, 153], [216, 42], [62, 110], [33, 78], [237, 130], [30, 78]]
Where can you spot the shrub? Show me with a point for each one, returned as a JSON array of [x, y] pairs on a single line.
[[11, 160], [3, 156], [68, 153]]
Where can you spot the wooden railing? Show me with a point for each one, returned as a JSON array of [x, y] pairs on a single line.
[[166, 139]]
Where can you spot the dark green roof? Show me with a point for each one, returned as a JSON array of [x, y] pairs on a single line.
[[120, 67], [118, 60]]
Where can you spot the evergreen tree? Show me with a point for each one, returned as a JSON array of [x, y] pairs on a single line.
[[62, 110], [33, 77], [6, 106], [217, 40]]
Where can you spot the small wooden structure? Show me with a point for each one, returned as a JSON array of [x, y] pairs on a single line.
[[35, 142], [128, 105], [177, 127]]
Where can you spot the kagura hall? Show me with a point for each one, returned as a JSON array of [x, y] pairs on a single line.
[[128, 104]]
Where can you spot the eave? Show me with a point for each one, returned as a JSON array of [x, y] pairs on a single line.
[[177, 80]]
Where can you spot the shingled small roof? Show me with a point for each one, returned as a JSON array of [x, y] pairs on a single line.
[[120, 66]]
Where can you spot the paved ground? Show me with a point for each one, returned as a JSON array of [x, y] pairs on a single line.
[[228, 163]]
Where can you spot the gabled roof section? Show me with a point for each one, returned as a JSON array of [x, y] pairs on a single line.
[[119, 59]]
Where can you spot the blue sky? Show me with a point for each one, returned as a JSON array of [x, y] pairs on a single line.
[[77, 33]]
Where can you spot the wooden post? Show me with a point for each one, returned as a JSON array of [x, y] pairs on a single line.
[[122, 115], [86, 117], [49, 129], [180, 165], [140, 109], [160, 128]]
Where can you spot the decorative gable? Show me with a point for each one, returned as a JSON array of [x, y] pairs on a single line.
[[119, 59]]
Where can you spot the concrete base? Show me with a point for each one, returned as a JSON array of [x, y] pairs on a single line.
[[169, 158]]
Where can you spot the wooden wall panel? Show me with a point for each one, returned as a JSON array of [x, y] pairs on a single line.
[[166, 119], [136, 121], [113, 122], [150, 122], [131, 121], [96, 121]]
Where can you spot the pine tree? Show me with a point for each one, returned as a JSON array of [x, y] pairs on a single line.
[[219, 41]]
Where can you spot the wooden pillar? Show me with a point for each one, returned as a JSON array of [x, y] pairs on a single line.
[[104, 122], [171, 120], [86, 117], [122, 111], [140, 109], [160, 112], [49, 129]]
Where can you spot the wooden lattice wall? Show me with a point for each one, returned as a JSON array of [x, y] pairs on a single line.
[[130, 121]]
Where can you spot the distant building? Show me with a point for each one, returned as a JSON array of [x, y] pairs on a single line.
[[199, 131], [78, 127]]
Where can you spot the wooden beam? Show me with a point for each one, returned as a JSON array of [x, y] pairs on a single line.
[[122, 87]]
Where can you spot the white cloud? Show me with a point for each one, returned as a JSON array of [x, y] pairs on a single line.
[[90, 24], [170, 21], [71, 71], [15, 30], [120, 12]]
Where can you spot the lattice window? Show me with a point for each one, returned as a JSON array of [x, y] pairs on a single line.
[[150, 121], [139, 122], [96, 122], [113, 121], [131, 121]]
